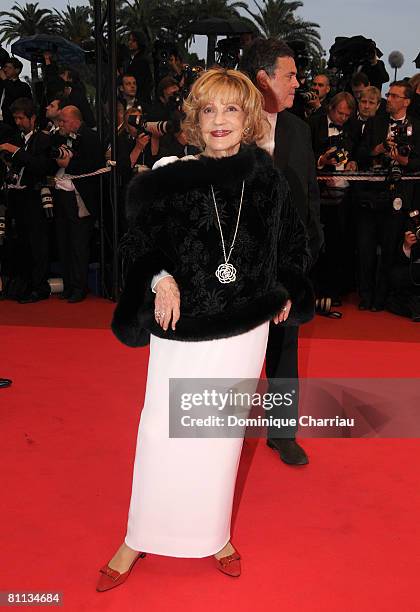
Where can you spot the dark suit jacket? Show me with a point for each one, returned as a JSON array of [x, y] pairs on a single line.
[[88, 157], [319, 133], [293, 155], [140, 68], [34, 158], [13, 90]]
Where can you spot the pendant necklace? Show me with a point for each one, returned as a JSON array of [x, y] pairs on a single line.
[[226, 273]]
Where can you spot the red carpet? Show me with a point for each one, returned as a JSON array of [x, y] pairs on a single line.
[[337, 535]]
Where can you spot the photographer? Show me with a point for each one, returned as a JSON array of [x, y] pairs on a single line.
[[391, 143], [134, 152], [29, 166], [321, 87], [138, 65], [11, 88], [368, 104], [76, 200], [404, 277], [127, 92], [331, 137], [358, 83], [170, 141], [64, 80], [52, 114], [332, 142]]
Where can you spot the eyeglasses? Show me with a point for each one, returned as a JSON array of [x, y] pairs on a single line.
[[392, 95]]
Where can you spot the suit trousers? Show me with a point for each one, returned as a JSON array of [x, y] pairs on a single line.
[[31, 256], [377, 227], [73, 239], [281, 361]]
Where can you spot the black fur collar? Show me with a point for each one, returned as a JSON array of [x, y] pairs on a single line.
[[182, 176]]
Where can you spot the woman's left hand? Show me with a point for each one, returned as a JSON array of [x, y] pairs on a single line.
[[283, 314]]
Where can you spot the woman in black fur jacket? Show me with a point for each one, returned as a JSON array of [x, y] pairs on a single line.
[[222, 224]]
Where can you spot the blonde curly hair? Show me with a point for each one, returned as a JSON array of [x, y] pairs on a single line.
[[233, 87]]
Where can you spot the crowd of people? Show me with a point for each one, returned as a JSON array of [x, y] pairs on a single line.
[[351, 131]]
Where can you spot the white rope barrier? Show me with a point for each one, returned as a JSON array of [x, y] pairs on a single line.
[[362, 177]]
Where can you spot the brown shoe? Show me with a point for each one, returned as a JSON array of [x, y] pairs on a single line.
[[109, 578], [230, 565]]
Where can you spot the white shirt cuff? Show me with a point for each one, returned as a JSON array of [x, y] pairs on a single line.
[[158, 277], [407, 252]]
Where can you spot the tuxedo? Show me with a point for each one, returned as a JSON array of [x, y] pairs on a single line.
[[31, 166], [334, 272], [293, 155], [319, 125], [75, 217]]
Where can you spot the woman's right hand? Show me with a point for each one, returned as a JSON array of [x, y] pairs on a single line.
[[167, 303]]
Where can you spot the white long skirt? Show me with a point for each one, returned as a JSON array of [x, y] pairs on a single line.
[[182, 495]]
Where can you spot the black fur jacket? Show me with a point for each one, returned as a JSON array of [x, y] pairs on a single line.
[[174, 227]]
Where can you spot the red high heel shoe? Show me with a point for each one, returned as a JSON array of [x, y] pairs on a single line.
[[109, 578], [230, 565]]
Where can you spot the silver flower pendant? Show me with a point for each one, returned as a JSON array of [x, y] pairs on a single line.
[[226, 273]]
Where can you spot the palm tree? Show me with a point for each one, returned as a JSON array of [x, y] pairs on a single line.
[[24, 21], [74, 23], [225, 9], [169, 19], [276, 18]]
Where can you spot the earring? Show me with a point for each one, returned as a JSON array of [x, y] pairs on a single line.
[[247, 130]]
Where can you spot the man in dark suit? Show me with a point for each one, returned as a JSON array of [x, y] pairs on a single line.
[[271, 66], [332, 141], [321, 87], [11, 89], [29, 167], [379, 221], [138, 66], [76, 200]]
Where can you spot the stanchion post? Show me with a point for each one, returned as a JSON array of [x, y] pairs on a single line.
[[112, 43]]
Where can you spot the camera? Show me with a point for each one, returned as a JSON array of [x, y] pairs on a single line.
[[401, 135], [154, 128], [414, 223], [175, 101], [306, 95], [47, 202], [59, 152], [338, 141], [138, 122]]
